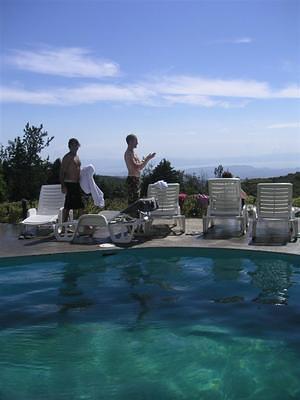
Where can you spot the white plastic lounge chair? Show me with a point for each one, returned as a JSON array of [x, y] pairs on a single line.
[[50, 206], [225, 202], [87, 224], [274, 203], [120, 226], [167, 198]]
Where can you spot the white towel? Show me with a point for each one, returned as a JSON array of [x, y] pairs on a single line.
[[161, 184], [89, 186]]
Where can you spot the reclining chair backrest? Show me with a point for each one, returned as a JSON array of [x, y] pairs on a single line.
[[224, 196], [51, 200], [274, 200], [167, 198]]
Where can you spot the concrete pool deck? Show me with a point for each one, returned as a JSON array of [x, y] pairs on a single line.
[[221, 236]]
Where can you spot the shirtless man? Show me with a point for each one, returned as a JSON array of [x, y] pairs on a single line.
[[134, 166], [69, 179]]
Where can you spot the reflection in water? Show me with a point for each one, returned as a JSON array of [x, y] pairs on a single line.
[[273, 277], [229, 270], [148, 285], [71, 292]]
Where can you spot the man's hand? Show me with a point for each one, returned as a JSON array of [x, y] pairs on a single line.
[[150, 156]]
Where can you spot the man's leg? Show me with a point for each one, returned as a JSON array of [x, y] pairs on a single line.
[[133, 189]]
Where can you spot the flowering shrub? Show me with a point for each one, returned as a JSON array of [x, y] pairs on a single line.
[[182, 197], [194, 205]]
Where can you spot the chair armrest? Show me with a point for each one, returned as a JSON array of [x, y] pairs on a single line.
[[60, 215], [208, 211], [294, 210], [254, 212], [31, 212]]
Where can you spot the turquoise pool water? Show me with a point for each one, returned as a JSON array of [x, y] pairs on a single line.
[[150, 324]]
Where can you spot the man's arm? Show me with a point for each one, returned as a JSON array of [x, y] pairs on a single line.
[[145, 161], [62, 174]]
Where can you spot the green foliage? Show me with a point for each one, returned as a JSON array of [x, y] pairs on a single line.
[[250, 199], [110, 204], [24, 170], [163, 171], [193, 184], [10, 212], [250, 185], [296, 202], [112, 186], [192, 208], [53, 172], [3, 186]]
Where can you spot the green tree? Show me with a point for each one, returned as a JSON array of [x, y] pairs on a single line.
[[23, 168], [53, 172], [163, 171], [193, 184], [3, 187], [113, 187]]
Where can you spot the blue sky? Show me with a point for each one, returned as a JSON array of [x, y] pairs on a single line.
[[199, 82]]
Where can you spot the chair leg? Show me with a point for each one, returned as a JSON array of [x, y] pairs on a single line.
[[243, 230], [254, 222], [63, 233], [205, 221], [293, 230], [181, 222], [122, 232]]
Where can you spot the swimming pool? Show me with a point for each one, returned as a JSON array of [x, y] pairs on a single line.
[[150, 324]]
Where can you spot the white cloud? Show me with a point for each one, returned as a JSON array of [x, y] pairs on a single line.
[[292, 91], [16, 95], [68, 62], [80, 95], [197, 86], [242, 40], [288, 125], [166, 91], [239, 40]]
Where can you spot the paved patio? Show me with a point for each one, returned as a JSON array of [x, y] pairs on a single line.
[[221, 236]]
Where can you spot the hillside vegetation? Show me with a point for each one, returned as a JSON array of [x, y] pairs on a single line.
[[250, 185]]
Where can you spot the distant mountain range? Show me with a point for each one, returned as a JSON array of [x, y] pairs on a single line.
[[243, 171], [116, 167]]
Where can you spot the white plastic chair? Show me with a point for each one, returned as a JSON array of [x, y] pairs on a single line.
[[87, 224], [50, 206], [167, 198], [225, 202], [274, 203]]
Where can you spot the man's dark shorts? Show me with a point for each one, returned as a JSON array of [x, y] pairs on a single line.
[[133, 188], [73, 200]]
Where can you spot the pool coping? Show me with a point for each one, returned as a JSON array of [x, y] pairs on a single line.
[[10, 246]]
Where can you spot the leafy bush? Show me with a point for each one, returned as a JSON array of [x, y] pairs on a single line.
[[193, 207], [10, 212], [250, 199], [296, 202], [110, 204]]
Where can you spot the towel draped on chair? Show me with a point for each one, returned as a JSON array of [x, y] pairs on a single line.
[[160, 184], [89, 186]]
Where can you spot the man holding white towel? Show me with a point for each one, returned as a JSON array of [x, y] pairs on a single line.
[[134, 166]]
